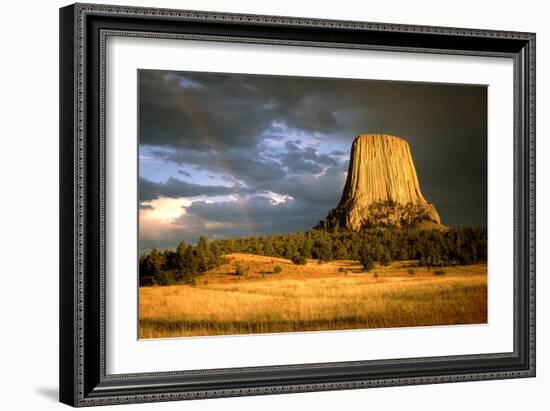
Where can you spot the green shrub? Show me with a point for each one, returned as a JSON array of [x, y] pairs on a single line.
[[386, 259], [149, 280], [241, 270], [341, 270], [277, 269], [299, 259], [165, 278], [411, 271], [367, 262]]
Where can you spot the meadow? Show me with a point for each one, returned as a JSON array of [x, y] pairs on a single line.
[[312, 297]]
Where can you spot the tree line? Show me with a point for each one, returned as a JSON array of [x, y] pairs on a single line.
[[434, 247], [181, 265]]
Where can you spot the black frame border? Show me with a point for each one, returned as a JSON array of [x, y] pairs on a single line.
[[83, 30]]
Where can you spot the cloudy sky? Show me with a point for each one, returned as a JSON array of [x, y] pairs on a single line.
[[225, 155]]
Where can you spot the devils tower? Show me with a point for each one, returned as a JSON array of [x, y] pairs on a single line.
[[382, 188]]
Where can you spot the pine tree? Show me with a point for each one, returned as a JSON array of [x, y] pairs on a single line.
[[386, 259], [180, 255], [366, 261], [203, 254]]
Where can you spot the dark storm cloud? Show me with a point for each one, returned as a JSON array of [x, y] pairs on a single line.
[[258, 208], [291, 172], [251, 216], [265, 133], [242, 165], [232, 111], [338, 153], [305, 160], [174, 188], [324, 190], [185, 173]]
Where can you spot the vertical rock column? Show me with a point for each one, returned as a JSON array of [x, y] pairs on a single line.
[[381, 174]]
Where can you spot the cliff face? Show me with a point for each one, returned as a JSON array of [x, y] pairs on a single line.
[[382, 188]]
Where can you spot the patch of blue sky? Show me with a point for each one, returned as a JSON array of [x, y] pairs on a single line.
[[156, 169], [183, 82]]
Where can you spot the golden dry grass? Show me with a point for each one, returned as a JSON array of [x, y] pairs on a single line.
[[312, 297]]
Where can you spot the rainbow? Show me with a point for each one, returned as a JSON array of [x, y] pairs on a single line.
[[198, 120]]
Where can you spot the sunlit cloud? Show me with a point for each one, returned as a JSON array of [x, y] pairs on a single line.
[[164, 209], [277, 198]]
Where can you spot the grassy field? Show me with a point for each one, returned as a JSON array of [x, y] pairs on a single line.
[[313, 297]]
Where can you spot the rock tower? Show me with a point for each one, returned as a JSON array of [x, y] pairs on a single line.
[[382, 188]]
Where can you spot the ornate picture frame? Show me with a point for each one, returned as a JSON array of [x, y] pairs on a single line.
[[84, 30]]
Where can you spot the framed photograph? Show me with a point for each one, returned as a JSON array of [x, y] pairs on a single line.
[[262, 204]]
